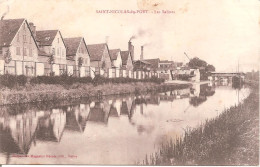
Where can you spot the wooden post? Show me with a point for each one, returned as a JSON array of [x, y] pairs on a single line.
[[35, 69], [15, 71]]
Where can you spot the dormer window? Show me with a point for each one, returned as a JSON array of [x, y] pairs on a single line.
[[58, 40], [47, 38]]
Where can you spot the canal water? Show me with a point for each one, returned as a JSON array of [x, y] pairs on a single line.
[[113, 130]]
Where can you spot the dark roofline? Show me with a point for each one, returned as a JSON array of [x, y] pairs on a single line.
[[86, 47], [34, 38]]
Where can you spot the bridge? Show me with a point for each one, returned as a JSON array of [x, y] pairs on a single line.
[[226, 76]]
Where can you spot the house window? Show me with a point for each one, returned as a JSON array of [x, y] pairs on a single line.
[[18, 37], [30, 52], [30, 39], [58, 53], [24, 52], [53, 51], [62, 52], [1, 50], [18, 51]]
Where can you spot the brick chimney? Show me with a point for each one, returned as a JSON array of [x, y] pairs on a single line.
[[33, 29], [131, 49], [142, 53]]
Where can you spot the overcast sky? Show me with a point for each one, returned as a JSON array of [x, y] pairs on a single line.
[[221, 32]]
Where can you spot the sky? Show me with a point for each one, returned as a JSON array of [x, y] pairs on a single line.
[[224, 33]]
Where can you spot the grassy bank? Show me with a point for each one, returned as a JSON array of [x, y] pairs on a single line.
[[55, 92], [232, 138]]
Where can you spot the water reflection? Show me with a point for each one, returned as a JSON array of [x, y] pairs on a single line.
[[25, 126]]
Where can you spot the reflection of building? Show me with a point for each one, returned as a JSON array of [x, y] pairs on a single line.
[[17, 133], [204, 92], [76, 118], [99, 112], [51, 125]]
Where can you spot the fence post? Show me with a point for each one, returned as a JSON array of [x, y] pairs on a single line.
[[35, 69], [15, 67]]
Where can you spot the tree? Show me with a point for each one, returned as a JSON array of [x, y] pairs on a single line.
[[210, 68], [7, 56], [197, 63], [203, 66]]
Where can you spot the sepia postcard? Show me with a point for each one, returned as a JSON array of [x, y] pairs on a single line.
[[137, 82]]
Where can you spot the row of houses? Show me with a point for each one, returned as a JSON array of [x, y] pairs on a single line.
[[24, 50]]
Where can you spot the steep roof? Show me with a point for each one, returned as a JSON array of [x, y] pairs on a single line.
[[46, 37], [8, 30], [96, 51], [124, 56], [72, 45], [114, 53]]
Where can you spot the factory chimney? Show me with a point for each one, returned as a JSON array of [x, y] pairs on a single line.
[[131, 49], [142, 53]]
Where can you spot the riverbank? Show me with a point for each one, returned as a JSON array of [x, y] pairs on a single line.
[[51, 92], [232, 138]]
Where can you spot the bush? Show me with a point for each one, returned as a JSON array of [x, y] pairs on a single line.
[[84, 80], [8, 80], [21, 80], [11, 81]]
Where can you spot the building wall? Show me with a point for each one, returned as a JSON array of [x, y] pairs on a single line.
[[83, 53], [118, 62], [60, 50], [95, 63], [129, 64], [106, 59]]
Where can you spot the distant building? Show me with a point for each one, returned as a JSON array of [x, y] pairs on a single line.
[[155, 63], [142, 65], [18, 47], [78, 54]]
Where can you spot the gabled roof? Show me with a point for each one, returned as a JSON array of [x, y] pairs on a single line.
[[72, 45], [96, 51], [46, 37], [9, 28], [114, 53], [124, 56]]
